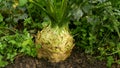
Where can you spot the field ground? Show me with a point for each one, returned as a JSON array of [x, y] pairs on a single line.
[[76, 60]]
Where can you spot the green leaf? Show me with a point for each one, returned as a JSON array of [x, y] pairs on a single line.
[[110, 61], [1, 18], [22, 2], [12, 42], [2, 63], [26, 42], [55, 10], [118, 61], [118, 48]]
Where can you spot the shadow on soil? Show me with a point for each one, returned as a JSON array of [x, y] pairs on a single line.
[[76, 60]]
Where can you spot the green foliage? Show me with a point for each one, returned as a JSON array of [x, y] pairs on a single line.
[[94, 24], [110, 60], [2, 62], [22, 2], [1, 18], [20, 16], [15, 38], [97, 29], [12, 45], [55, 10]]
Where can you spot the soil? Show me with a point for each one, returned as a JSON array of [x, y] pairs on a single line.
[[76, 60]]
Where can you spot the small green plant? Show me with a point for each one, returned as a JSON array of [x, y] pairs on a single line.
[[15, 44], [97, 30]]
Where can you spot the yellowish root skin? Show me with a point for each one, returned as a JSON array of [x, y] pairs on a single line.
[[56, 45]]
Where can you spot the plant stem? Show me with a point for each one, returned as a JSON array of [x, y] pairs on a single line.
[[7, 29]]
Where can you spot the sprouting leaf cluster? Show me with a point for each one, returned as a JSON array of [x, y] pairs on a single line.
[[15, 39], [96, 29]]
